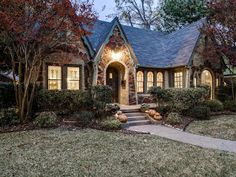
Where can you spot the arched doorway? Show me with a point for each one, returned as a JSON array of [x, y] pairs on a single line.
[[207, 79], [116, 78]]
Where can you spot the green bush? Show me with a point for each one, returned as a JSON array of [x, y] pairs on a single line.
[[164, 110], [200, 112], [144, 107], [173, 118], [84, 118], [7, 95], [214, 105], [111, 124], [9, 117], [230, 105], [224, 93], [46, 119], [112, 109]]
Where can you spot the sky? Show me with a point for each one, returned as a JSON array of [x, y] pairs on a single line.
[[109, 8]]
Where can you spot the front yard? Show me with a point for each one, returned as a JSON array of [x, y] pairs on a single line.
[[223, 127], [96, 153]]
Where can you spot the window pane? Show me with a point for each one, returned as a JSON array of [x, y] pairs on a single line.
[[160, 80], [73, 78], [140, 81], [54, 77], [178, 79], [149, 80]]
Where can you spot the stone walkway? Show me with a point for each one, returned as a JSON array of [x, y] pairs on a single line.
[[173, 134]]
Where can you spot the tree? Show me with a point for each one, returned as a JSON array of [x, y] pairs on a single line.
[[143, 13], [177, 13], [32, 30], [220, 30]]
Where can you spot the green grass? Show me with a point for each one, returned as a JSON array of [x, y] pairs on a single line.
[[97, 153], [223, 127]]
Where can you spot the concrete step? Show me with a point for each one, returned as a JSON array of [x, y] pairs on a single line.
[[136, 118], [130, 110], [137, 123], [135, 114]]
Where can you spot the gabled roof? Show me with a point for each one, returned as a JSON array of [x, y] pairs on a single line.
[[151, 48]]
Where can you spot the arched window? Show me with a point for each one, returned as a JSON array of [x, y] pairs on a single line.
[[149, 80], [140, 81], [160, 80], [207, 79]]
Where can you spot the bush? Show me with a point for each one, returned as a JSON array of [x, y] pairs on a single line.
[[112, 109], [224, 93], [230, 105], [46, 119], [144, 107], [214, 105], [9, 117], [7, 95], [163, 110], [200, 112], [111, 124], [84, 118], [173, 118]]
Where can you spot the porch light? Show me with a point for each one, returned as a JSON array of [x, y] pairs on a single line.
[[116, 55]]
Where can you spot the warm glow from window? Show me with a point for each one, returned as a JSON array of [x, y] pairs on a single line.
[[116, 55], [73, 78], [206, 79], [160, 80], [178, 79], [140, 81], [149, 80], [54, 77]]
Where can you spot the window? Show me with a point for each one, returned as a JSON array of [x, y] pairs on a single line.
[[54, 77], [149, 80], [160, 80], [178, 80], [140, 81], [73, 78], [207, 79]]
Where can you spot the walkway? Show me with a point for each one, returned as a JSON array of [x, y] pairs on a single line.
[[173, 134]]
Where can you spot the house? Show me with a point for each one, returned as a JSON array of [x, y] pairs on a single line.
[[131, 60]]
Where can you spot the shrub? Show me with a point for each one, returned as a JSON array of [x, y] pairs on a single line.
[[111, 109], [144, 107], [9, 117], [111, 124], [84, 118], [230, 105], [164, 110], [7, 95], [173, 118], [224, 93], [214, 105], [46, 119], [200, 112]]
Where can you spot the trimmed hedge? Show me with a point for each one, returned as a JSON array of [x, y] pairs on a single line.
[[111, 124], [200, 112], [214, 105], [46, 119]]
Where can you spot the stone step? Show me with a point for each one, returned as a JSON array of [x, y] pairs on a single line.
[[130, 110], [137, 123], [135, 114], [136, 118]]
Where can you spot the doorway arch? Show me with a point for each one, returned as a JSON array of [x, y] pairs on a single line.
[[207, 79]]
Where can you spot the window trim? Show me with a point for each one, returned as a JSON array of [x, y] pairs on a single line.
[[47, 78]]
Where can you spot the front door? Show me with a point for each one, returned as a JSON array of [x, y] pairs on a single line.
[[112, 79]]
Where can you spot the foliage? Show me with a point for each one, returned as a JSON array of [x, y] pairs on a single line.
[[144, 13], [173, 118], [230, 105], [144, 107], [179, 100], [112, 109], [33, 30], [214, 105], [7, 97], [46, 119], [164, 110], [224, 93], [62, 101], [9, 117], [200, 112], [111, 124], [84, 118], [177, 13]]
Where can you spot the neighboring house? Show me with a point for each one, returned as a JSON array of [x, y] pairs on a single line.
[[131, 60], [6, 77]]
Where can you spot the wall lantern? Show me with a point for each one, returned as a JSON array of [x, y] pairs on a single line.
[[116, 55]]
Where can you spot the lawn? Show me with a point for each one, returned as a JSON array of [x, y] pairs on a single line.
[[223, 127], [97, 153]]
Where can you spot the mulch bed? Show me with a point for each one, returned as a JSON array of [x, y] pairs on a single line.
[[17, 128]]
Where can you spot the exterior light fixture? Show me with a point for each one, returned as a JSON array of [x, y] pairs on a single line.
[[116, 55]]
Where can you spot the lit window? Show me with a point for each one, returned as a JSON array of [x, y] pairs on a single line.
[[149, 80], [140, 81], [160, 80], [54, 77], [206, 79], [178, 80], [73, 79]]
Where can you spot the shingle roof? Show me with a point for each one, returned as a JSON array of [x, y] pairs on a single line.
[[151, 48]]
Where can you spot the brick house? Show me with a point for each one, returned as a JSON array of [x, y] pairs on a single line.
[[131, 60]]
